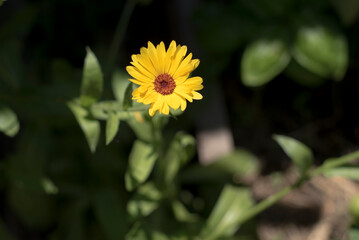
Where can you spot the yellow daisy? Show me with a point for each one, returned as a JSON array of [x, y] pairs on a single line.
[[162, 77]]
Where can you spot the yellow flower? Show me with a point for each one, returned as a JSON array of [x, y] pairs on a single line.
[[162, 77]]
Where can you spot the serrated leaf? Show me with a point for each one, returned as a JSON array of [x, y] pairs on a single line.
[[262, 61], [9, 123], [92, 80], [180, 151], [145, 201], [141, 161], [226, 215], [322, 50], [111, 127], [110, 214], [120, 83], [300, 154], [346, 172], [90, 127]]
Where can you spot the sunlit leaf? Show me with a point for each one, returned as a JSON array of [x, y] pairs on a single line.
[[181, 213], [240, 163], [110, 214], [145, 201], [300, 154], [90, 127], [111, 127], [9, 123], [92, 80], [180, 151], [262, 61], [322, 50], [226, 215], [141, 161], [346, 172], [120, 83]]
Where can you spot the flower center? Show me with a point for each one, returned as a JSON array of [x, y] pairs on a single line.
[[164, 84]]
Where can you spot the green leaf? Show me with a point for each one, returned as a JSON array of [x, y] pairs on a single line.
[[142, 128], [354, 233], [33, 183], [112, 217], [226, 215], [322, 50], [1, 2], [92, 80], [346, 172], [300, 154], [180, 151], [9, 123], [141, 161], [111, 127], [262, 61], [240, 163], [145, 201], [120, 84], [127, 101], [137, 232], [181, 213], [89, 126], [303, 76]]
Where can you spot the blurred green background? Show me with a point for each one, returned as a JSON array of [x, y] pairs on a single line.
[[288, 67]]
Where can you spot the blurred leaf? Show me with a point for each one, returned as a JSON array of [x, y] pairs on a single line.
[[262, 61], [120, 83], [347, 10], [127, 100], [141, 161], [180, 151], [346, 172], [302, 76], [142, 128], [226, 215], [110, 214], [111, 127], [33, 183], [145, 201], [9, 123], [4, 234], [1, 2], [322, 50], [11, 63], [300, 154], [90, 127], [137, 232], [181, 213], [92, 80], [240, 163]]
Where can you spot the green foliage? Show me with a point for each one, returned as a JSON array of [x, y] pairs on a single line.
[[141, 162], [262, 61], [300, 154], [9, 123], [92, 80], [226, 215], [346, 172], [112, 124], [322, 50]]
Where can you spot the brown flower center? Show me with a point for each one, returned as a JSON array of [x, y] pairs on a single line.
[[164, 84]]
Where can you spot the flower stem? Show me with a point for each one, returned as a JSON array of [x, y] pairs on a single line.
[[335, 162]]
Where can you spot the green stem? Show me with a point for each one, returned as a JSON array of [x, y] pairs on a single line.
[[266, 203], [335, 162], [119, 34]]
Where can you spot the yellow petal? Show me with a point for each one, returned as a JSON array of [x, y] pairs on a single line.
[[145, 71], [184, 95], [152, 110], [152, 53], [145, 61], [177, 58], [195, 63], [173, 101], [165, 108], [183, 71], [150, 97], [134, 72], [196, 95], [194, 81], [161, 55], [180, 80], [170, 52]]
